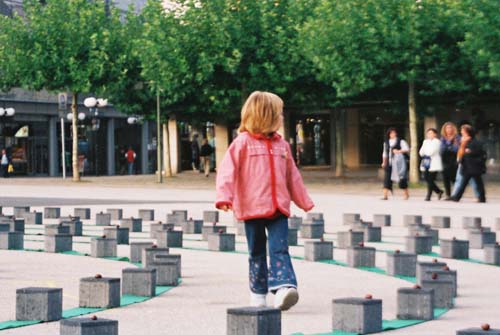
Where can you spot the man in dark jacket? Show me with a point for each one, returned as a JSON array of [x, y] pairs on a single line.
[[472, 157]]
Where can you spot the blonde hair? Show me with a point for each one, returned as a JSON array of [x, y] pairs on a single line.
[[261, 113], [443, 129]]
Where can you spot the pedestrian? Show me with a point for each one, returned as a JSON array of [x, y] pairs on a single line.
[[205, 154], [472, 158], [4, 164], [122, 161], [130, 155], [258, 179], [195, 153], [431, 162], [395, 163], [450, 142]]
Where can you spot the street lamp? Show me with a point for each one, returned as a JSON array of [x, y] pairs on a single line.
[[5, 113], [133, 119]]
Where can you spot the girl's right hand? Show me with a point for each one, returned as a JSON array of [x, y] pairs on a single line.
[[226, 208]]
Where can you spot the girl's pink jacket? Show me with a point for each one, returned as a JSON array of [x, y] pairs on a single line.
[[258, 177]]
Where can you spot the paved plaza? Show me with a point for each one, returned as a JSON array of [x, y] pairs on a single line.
[[212, 282]]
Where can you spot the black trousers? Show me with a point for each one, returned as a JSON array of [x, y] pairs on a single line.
[[430, 178], [449, 175], [4, 171], [403, 182], [480, 186]]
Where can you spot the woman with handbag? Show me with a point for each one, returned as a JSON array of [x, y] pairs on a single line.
[[431, 162], [395, 163]]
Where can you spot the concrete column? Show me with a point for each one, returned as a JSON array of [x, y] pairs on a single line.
[[221, 142], [351, 149], [53, 148], [175, 153], [110, 147], [144, 147], [333, 140]]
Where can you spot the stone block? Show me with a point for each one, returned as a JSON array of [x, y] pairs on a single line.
[[240, 228], [424, 231], [292, 237], [69, 218], [103, 247], [412, 219], [381, 220], [51, 212], [206, 230], [19, 210], [139, 282], [11, 240], [103, 219], [75, 227], [371, 234], [415, 304], [134, 225], [55, 229], [361, 256], [492, 254], [478, 331], [83, 213], [312, 229], [116, 213], [361, 316], [136, 250], [16, 225], [424, 267], [401, 264], [99, 292], [294, 222], [169, 258], [497, 224], [146, 214], [314, 216], [154, 228], [221, 242], [349, 218], [192, 226], [346, 239], [441, 222], [167, 271], [471, 222], [175, 219], [88, 326], [443, 292], [169, 239], [210, 216], [457, 249], [38, 303], [478, 239], [253, 321], [58, 243], [4, 227], [444, 274], [418, 244], [148, 255], [33, 218], [318, 250], [120, 234]]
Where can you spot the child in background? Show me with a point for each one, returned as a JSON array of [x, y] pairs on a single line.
[[258, 179]]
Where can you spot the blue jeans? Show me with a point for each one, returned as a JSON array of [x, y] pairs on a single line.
[[130, 168], [458, 184], [280, 272]]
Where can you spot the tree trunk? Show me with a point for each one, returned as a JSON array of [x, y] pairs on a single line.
[[159, 168], [166, 150], [412, 110], [339, 143], [74, 111]]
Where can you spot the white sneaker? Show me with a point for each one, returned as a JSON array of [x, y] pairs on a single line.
[[258, 300], [286, 298]]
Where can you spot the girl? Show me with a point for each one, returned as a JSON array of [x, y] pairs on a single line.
[[450, 141], [395, 163], [431, 162], [257, 179]]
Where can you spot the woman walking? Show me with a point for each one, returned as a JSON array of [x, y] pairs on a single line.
[[450, 142], [472, 159], [431, 162], [205, 154], [395, 163]]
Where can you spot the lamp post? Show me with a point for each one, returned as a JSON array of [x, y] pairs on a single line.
[[6, 113]]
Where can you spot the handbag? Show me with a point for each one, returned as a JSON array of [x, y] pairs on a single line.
[[425, 163], [10, 168]]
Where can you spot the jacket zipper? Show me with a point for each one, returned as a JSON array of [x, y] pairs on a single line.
[[273, 175]]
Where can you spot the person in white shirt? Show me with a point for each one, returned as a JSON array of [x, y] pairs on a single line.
[[395, 163], [4, 166], [431, 162]]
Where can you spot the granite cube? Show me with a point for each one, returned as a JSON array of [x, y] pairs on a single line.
[[471, 222], [424, 267], [99, 292], [103, 247], [103, 219], [478, 239], [457, 249], [381, 220], [221, 242], [492, 254], [355, 315], [136, 250], [318, 250], [294, 222], [292, 237], [211, 216], [146, 214], [19, 210], [312, 229], [478, 331], [75, 227], [11, 240], [171, 258], [167, 271], [206, 230], [116, 213], [134, 225], [38, 303], [443, 292], [148, 255], [418, 244], [54, 229], [444, 274], [412, 220], [415, 304], [314, 216], [139, 282], [58, 243], [169, 239], [349, 218], [441, 222], [346, 239], [88, 326], [83, 213], [33, 218], [120, 234], [51, 212], [192, 226], [361, 256], [401, 264], [253, 321]]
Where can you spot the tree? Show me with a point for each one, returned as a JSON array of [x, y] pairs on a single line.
[[482, 40], [62, 45], [360, 45]]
